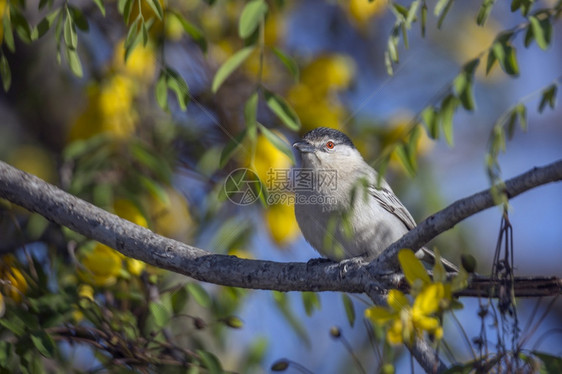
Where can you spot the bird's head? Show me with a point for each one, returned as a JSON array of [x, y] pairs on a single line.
[[325, 148]]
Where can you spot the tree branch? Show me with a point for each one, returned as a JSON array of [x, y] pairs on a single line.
[[353, 275], [464, 208]]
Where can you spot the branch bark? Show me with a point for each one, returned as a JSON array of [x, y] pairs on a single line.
[[464, 208], [353, 275]]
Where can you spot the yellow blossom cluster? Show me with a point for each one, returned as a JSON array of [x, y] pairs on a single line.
[[269, 163], [12, 281], [315, 98], [406, 321], [111, 101]]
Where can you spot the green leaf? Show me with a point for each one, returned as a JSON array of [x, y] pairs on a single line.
[[20, 24], [210, 362], [310, 301], [289, 63], [5, 73], [229, 66], [401, 151], [277, 142], [441, 9], [484, 12], [231, 147], [199, 294], [431, 119], [490, 61], [45, 24], [74, 62], [179, 299], [78, 17], [388, 63], [70, 35], [160, 314], [464, 89], [156, 7], [161, 91], [282, 110], [193, 31], [392, 51], [448, 107], [252, 14], [133, 37], [510, 124], [412, 268], [177, 84], [8, 34], [250, 115], [44, 343], [349, 308], [522, 115], [400, 10], [506, 56], [125, 7], [412, 13], [548, 97], [101, 6]]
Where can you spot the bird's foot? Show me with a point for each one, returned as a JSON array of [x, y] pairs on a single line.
[[318, 261]]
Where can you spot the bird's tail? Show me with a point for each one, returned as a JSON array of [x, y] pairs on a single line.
[[428, 256]]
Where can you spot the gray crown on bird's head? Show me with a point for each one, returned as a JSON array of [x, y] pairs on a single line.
[[325, 133]]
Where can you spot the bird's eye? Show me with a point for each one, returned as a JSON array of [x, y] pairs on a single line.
[[330, 144]]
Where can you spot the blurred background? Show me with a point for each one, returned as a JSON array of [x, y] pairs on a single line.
[[103, 130]]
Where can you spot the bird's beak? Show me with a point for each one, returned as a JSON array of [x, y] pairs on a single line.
[[304, 146]]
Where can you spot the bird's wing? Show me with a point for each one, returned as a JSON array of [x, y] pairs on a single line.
[[388, 200]]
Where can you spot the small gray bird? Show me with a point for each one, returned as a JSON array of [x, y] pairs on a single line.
[[338, 206]]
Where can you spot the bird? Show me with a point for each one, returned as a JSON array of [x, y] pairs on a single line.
[[342, 207]]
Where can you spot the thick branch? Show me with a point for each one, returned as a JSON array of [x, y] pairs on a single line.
[[464, 208], [140, 243], [352, 275]]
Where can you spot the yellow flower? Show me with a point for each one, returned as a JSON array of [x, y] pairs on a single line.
[[330, 72], [102, 266], [171, 218], [3, 7], [361, 11], [16, 285], [314, 110], [267, 157], [116, 96], [314, 98], [406, 321], [134, 266], [140, 65], [274, 29], [127, 210], [86, 291], [109, 110], [281, 222]]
